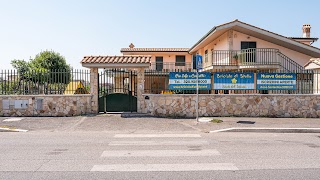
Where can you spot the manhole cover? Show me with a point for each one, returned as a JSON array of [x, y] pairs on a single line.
[[246, 122]]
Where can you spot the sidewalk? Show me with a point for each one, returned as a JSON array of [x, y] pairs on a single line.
[[231, 122], [115, 123]]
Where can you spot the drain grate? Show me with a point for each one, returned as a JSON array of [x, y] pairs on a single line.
[[246, 122]]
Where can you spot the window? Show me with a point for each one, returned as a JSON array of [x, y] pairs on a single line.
[[159, 63], [206, 56], [180, 60]]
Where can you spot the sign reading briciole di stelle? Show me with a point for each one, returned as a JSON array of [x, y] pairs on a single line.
[[188, 81], [233, 81]]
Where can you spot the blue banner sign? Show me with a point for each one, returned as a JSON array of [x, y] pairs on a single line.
[[233, 81], [188, 81], [199, 62], [276, 81]]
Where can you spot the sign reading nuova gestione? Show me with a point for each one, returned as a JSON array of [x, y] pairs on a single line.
[[276, 81], [233, 81], [188, 81]]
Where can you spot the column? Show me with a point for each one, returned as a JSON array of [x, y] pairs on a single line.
[[316, 81], [94, 75], [140, 90]]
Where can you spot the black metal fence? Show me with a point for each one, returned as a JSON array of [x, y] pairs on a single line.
[[14, 82], [307, 82]]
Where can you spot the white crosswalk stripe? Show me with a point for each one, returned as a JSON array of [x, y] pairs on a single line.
[[160, 153], [157, 143], [157, 135], [164, 147], [166, 167]]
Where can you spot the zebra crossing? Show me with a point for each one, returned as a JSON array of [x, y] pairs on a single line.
[[160, 146]]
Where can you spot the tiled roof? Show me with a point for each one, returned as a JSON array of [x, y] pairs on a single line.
[[313, 60], [154, 49], [116, 59]]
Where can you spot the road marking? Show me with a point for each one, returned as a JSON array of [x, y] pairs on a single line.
[[257, 128], [154, 143], [161, 153], [14, 130], [166, 167], [222, 130], [12, 119], [156, 135]]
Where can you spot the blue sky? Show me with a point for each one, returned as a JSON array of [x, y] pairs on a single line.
[[76, 28]]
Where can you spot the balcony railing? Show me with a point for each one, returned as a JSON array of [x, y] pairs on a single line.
[[253, 57], [167, 67]]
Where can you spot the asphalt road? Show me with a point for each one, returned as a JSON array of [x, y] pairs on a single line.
[[179, 154]]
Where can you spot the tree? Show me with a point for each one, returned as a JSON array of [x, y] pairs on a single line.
[[48, 67], [55, 64], [49, 60], [46, 62]]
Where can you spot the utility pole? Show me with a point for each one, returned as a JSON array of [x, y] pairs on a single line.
[[199, 66]]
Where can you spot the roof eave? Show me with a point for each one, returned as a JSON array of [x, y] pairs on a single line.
[[281, 38], [115, 65], [202, 39], [313, 50], [153, 51], [212, 31]]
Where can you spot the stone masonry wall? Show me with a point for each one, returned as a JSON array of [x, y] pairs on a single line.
[[52, 105], [252, 105]]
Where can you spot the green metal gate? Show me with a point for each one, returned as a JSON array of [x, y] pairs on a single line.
[[117, 91]]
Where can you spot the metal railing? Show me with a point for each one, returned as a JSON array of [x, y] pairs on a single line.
[[14, 82], [254, 57], [166, 67]]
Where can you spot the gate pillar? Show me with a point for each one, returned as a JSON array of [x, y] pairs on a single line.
[[140, 89], [94, 76]]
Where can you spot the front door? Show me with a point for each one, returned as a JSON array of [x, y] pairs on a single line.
[[248, 52]]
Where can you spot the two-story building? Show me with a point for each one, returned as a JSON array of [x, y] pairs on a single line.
[[231, 47], [235, 46]]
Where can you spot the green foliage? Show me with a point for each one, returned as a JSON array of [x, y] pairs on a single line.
[[216, 121], [20, 65], [49, 60], [46, 67], [8, 87]]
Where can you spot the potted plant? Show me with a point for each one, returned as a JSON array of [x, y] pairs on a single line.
[[235, 59]]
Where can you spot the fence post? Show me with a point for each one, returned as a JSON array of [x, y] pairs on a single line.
[[140, 90]]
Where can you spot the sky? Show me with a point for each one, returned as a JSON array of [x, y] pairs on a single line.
[[78, 28]]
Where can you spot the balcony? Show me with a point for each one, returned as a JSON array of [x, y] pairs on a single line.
[[167, 67], [266, 58]]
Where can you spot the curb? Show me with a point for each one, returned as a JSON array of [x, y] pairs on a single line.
[[136, 115], [270, 130]]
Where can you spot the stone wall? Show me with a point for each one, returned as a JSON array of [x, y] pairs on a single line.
[[249, 105], [46, 105]]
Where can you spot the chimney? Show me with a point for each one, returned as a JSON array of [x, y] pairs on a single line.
[[131, 46], [306, 30]]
